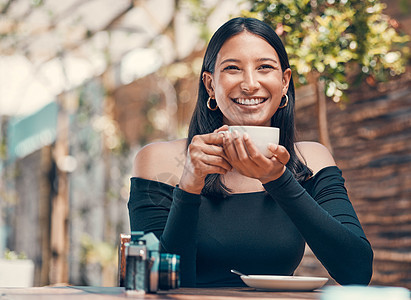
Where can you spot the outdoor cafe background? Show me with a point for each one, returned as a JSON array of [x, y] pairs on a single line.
[[84, 85]]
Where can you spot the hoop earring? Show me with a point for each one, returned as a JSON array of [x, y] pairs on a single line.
[[286, 102], [208, 104]]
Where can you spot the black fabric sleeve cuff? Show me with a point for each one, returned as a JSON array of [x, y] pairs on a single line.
[[181, 196], [284, 188]]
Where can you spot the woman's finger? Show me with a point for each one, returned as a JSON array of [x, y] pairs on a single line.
[[217, 161], [229, 148], [280, 153], [202, 169], [212, 150], [215, 138], [238, 143], [209, 153], [283, 155], [222, 128]]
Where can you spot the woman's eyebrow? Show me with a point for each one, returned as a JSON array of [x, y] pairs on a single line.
[[229, 60], [267, 59], [263, 59]]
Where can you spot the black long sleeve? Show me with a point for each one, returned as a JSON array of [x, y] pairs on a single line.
[[328, 223], [172, 215], [180, 233]]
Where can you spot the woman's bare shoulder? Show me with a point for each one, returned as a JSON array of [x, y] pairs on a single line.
[[161, 161], [315, 155]]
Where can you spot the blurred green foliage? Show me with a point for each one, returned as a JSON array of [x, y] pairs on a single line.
[[199, 13], [335, 39], [98, 252], [12, 255]]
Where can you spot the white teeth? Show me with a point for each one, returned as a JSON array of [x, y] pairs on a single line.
[[249, 101]]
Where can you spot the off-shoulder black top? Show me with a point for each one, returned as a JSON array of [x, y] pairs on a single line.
[[258, 233]]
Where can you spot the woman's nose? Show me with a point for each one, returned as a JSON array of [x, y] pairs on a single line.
[[250, 82]]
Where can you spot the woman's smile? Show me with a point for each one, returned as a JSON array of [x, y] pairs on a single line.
[[249, 101]]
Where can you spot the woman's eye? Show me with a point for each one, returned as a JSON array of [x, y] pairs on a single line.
[[266, 67], [231, 68]]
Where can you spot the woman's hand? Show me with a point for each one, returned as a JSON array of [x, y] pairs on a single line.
[[205, 155], [243, 155]]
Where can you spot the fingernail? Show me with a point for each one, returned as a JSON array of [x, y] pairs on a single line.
[[245, 136], [236, 134], [225, 137]]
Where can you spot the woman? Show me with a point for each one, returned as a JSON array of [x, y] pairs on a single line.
[[220, 204]]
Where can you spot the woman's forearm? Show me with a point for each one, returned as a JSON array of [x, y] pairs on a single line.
[[334, 234]]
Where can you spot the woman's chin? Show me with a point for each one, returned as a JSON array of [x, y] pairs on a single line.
[[248, 124]]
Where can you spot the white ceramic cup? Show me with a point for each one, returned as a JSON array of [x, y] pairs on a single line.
[[261, 136]]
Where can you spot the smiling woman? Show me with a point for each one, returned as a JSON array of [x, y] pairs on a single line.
[[226, 205]]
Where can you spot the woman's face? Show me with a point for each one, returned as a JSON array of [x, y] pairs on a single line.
[[247, 82]]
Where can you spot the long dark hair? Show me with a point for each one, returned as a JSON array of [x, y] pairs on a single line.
[[205, 121]]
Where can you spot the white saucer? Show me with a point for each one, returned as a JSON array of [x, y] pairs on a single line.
[[284, 283]]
